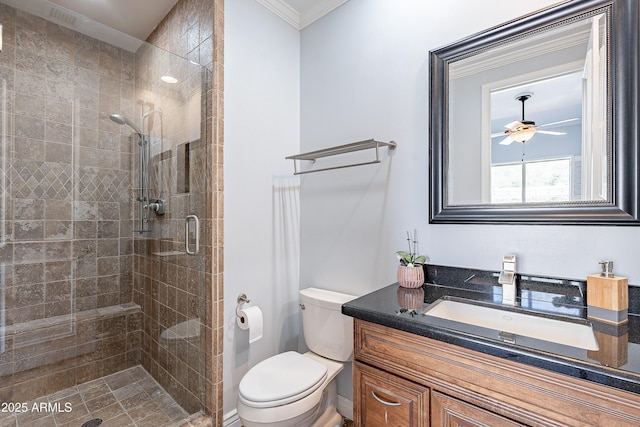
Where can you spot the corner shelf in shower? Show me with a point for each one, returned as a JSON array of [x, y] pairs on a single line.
[[168, 253], [341, 149]]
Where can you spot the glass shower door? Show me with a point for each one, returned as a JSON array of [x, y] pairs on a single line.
[[170, 255], [84, 294], [6, 256]]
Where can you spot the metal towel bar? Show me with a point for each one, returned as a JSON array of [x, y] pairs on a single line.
[[341, 149]]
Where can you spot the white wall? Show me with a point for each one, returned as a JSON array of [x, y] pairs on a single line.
[[364, 73], [262, 126]]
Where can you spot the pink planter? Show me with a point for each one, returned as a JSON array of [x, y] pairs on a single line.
[[410, 277]]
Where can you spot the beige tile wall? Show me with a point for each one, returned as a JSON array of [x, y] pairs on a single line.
[[66, 257]]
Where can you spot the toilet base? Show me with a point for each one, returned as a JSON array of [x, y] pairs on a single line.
[[329, 419], [324, 414], [330, 416]]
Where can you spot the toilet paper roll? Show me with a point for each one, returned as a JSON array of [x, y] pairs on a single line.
[[251, 318]]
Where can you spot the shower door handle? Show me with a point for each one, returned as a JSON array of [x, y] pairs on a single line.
[[187, 221]]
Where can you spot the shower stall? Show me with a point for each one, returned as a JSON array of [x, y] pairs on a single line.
[[103, 257]]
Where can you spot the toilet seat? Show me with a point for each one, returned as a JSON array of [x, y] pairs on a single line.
[[281, 379]]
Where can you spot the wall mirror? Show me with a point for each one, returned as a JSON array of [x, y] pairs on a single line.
[[535, 121]]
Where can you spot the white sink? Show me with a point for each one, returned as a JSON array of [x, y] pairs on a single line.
[[511, 324]]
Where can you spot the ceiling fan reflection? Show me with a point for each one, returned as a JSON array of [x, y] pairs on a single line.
[[523, 130]]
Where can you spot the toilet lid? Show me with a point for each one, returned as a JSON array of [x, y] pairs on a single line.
[[281, 379]]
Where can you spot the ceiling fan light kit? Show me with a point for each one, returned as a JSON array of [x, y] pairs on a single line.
[[524, 134], [523, 130]]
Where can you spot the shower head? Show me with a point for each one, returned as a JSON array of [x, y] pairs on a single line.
[[123, 120]]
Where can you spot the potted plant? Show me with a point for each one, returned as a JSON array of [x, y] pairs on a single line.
[[410, 270]]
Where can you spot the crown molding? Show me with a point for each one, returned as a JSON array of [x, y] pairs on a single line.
[[283, 10], [300, 20], [523, 52]]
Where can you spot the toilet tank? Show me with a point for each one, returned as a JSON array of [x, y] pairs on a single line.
[[327, 332]]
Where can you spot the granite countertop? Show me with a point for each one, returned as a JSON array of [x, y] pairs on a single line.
[[616, 363]]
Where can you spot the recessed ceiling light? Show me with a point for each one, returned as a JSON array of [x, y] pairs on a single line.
[[169, 79]]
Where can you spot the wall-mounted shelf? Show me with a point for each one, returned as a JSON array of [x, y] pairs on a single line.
[[341, 149]]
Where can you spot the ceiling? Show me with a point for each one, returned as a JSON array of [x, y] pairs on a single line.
[[553, 99], [125, 22], [137, 18]]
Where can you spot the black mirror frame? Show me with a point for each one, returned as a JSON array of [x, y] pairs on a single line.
[[624, 99]]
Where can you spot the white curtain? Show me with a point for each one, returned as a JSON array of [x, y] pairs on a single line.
[[286, 258]]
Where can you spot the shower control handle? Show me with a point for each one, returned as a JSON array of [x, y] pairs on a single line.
[[196, 222], [158, 207]]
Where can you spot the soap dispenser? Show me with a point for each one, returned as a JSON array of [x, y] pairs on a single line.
[[607, 296]]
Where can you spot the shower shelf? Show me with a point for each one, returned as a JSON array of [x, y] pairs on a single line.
[[341, 149], [168, 253]]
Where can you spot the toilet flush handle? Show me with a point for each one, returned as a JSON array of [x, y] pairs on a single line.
[[301, 306]]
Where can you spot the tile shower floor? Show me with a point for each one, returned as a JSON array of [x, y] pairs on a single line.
[[127, 398]]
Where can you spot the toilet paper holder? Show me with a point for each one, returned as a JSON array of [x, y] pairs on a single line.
[[242, 299]]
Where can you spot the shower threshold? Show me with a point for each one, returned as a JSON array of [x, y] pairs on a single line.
[[127, 398]]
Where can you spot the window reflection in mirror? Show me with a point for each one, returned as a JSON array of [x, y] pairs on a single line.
[[532, 181], [551, 86]]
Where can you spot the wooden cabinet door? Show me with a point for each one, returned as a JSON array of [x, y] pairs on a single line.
[[447, 411], [382, 399]]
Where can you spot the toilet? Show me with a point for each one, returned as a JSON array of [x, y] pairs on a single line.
[[294, 389]]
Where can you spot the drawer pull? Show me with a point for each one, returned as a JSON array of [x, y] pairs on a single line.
[[384, 402]]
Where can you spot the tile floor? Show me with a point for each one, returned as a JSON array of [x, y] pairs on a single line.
[[130, 398]]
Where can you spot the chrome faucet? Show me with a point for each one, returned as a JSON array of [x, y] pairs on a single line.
[[508, 279]]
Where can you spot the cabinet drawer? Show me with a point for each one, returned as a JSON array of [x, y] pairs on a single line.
[[447, 411], [386, 400]]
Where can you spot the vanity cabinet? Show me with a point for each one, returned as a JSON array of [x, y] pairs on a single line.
[[436, 384], [388, 400]]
